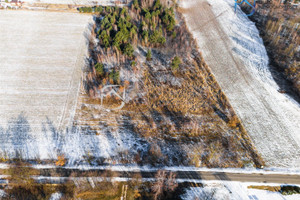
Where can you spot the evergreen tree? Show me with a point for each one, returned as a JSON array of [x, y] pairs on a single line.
[[175, 63], [136, 4], [115, 76], [128, 50], [145, 35], [162, 40], [149, 55], [99, 69]]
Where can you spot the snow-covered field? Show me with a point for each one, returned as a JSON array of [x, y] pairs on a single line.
[[224, 190], [231, 46], [41, 57]]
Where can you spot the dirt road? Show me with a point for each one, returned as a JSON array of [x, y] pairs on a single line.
[[271, 119]]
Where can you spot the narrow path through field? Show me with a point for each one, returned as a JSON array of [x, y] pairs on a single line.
[[271, 118]]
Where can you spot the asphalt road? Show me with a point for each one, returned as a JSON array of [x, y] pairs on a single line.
[[188, 176]]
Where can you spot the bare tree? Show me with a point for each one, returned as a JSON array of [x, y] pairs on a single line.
[[158, 186], [164, 182]]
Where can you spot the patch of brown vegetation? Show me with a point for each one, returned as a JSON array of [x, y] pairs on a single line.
[[184, 107], [279, 27], [61, 160], [265, 187]]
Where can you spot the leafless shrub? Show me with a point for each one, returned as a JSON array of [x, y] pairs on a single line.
[[164, 182]]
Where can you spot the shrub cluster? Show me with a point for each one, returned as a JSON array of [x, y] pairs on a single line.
[[121, 29], [96, 9], [118, 29]]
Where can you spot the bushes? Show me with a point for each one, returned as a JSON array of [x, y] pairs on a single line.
[[234, 122], [61, 161], [168, 99], [103, 37], [149, 55], [156, 37], [35, 191], [114, 77], [175, 63], [135, 4], [23, 187], [28, 191], [168, 19], [99, 69], [85, 9], [145, 35], [174, 34], [117, 29], [283, 189], [289, 189], [89, 9], [280, 32], [133, 63], [128, 50], [98, 9]]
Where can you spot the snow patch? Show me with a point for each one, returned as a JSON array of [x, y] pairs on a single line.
[[56, 196], [2, 193], [216, 190]]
